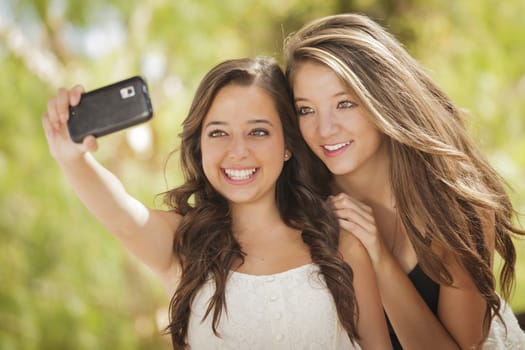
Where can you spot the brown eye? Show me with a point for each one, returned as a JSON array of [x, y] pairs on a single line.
[[259, 132], [216, 133], [345, 104], [304, 110]]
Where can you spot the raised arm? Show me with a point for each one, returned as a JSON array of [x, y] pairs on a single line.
[[148, 234], [371, 325]]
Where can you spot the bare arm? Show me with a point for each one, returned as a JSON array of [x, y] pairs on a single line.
[[371, 325], [461, 307], [146, 233], [411, 318]]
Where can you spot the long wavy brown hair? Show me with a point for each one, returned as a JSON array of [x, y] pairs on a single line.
[[204, 242], [439, 178]]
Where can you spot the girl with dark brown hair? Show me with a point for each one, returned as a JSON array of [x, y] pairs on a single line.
[[252, 256]]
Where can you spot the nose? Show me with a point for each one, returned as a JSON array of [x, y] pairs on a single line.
[[238, 148], [327, 125]]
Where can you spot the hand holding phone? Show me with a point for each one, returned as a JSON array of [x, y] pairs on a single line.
[[110, 108]]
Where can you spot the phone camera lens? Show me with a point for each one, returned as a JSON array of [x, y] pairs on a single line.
[[127, 92]]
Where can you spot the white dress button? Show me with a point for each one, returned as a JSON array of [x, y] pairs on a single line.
[[274, 298], [270, 278], [278, 315], [280, 337]]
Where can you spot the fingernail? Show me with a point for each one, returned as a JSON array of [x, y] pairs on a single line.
[[63, 117]]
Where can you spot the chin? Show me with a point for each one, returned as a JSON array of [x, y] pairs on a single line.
[[339, 171]]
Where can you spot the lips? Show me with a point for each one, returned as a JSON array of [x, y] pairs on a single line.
[[335, 148]]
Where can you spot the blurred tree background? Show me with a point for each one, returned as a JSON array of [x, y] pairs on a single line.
[[65, 282]]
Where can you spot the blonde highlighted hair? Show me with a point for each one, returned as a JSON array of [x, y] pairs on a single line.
[[445, 190]]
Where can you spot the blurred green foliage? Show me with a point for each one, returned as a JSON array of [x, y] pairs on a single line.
[[66, 283]]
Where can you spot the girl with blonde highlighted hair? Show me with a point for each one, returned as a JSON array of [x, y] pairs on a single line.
[[402, 174]]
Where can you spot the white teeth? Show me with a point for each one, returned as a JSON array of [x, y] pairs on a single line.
[[243, 174], [332, 148]]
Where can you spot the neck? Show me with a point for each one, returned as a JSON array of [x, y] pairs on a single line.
[[372, 186], [252, 219], [269, 245]]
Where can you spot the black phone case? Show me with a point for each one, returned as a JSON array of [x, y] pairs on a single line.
[[110, 108]]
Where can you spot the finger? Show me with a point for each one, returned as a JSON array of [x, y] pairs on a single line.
[[90, 143], [330, 202], [75, 95], [346, 225], [351, 214], [356, 230], [355, 217], [62, 105], [46, 124], [346, 203], [351, 227], [353, 210], [371, 243], [344, 197], [363, 230], [52, 111]]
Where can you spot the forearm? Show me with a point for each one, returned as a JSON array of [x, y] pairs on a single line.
[[147, 234], [104, 195], [412, 320]]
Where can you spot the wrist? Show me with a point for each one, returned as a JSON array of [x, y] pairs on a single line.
[[380, 257], [72, 160]]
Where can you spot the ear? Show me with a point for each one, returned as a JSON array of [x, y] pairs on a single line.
[[287, 155]]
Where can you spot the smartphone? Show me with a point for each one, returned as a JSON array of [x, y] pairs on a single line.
[[110, 108]]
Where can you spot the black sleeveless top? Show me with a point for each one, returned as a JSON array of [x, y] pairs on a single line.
[[429, 291]]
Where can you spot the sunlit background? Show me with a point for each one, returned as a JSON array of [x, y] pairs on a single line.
[[67, 284]]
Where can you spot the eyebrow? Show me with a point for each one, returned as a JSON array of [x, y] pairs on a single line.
[[342, 93], [251, 121]]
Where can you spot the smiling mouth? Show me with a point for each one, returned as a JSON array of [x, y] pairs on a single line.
[[240, 174], [335, 147]]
